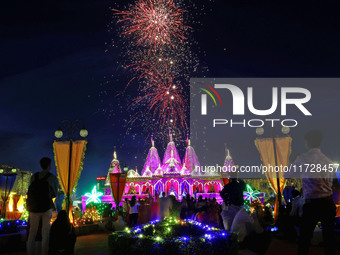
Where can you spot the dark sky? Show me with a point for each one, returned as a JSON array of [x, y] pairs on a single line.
[[54, 66]]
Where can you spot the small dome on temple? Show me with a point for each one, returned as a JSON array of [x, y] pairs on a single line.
[[131, 173], [147, 173], [159, 171], [136, 173], [185, 171]]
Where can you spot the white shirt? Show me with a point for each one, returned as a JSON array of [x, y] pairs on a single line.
[[315, 184], [245, 223], [134, 209], [297, 206]]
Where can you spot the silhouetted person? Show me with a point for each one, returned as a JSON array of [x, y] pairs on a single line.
[[133, 212], [165, 204], [232, 195], [62, 236], [125, 208], [318, 194], [297, 205], [43, 187]]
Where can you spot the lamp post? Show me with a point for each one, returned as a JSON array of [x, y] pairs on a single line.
[[70, 126], [125, 168], [285, 131]]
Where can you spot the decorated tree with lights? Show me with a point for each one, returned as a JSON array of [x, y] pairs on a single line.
[[90, 216]]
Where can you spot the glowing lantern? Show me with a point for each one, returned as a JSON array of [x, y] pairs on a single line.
[[20, 204], [10, 204]]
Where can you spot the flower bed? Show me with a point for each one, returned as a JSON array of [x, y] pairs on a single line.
[[173, 236]]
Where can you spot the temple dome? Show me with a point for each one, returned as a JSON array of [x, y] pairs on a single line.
[[185, 171], [172, 166], [171, 152], [190, 159], [147, 173], [131, 173], [159, 171], [152, 160]]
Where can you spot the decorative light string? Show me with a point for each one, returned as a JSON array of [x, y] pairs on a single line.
[[209, 231]]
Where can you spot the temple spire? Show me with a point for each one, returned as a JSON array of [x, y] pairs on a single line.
[[152, 141], [170, 135], [227, 152], [114, 153]]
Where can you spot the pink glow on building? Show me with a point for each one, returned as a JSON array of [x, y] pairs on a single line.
[[172, 177]]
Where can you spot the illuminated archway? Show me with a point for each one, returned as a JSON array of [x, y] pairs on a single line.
[[159, 188], [197, 187], [185, 188], [147, 188], [172, 187]]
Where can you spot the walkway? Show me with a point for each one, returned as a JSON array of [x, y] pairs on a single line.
[[98, 245]]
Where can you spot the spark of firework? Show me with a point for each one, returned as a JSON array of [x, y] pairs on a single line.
[[161, 94], [153, 23]]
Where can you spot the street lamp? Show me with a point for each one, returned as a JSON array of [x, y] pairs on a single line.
[[70, 126], [125, 168], [285, 131]]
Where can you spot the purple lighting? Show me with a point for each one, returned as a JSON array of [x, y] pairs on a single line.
[[174, 177]]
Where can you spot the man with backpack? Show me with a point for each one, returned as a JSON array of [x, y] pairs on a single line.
[[43, 187]]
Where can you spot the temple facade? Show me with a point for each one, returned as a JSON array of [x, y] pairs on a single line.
[[172, 175]]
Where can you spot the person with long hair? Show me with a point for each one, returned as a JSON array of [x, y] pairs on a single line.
[[133, 211], [62, 236]]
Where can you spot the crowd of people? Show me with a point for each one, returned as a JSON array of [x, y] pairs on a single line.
[[251, 222], [137, 212]]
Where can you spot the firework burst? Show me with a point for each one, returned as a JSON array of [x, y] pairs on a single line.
[[161, 94], [156, 46], [153, 23]]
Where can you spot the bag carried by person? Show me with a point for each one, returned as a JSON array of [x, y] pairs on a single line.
[[38, 195]]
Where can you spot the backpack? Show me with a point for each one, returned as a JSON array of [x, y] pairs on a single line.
[[38, 195]]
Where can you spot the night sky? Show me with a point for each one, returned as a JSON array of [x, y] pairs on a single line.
[[55, 64]]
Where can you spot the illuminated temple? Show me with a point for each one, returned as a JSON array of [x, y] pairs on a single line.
[[172, 175]]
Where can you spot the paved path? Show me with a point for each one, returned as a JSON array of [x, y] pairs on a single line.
[[92, 245], [85, 245], [97, 244]]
